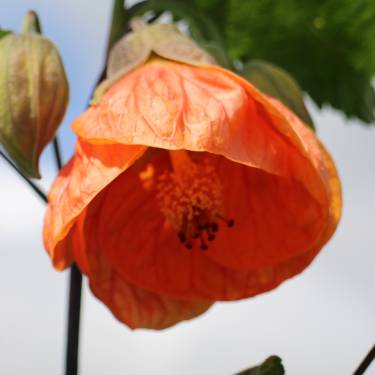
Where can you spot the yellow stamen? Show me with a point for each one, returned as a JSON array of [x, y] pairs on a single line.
[[190, 197]]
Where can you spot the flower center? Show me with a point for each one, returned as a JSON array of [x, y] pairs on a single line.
[[190, 197]]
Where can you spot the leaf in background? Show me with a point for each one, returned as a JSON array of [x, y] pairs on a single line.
[[271, 366], [278, 83], [328, 46], [4, 33]]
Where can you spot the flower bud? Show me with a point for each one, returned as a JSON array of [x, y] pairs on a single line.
[[33, 97]]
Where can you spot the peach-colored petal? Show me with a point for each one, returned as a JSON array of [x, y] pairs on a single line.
[[286, 218], [231, 118], [87, 173], [176, 106], [144, 249], [137, 307], [276, 219], [134, 306], [279, 184]]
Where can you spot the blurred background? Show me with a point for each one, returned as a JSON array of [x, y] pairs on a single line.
[[320, 322]]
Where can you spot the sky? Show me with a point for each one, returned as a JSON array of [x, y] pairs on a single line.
[[320, 322]]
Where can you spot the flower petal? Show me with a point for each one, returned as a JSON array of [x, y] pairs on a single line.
[[175, 106], [144, 250], [137, 307], [87, 173], [276, 218], [134, 306]]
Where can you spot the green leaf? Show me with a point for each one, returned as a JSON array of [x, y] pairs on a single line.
[[328, 46], [4, 33], [271, 366], [278, 83]]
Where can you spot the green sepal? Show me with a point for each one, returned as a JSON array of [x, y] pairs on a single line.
[[271, 366], [138, 46], [276, 82], [201, 28]]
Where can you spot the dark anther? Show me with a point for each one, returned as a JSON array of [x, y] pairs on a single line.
[[182, 237], [196, 235], [230, 222], [203, 243], [202, 229], [214, 227]]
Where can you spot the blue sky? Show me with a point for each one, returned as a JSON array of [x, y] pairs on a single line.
[[322, 319]]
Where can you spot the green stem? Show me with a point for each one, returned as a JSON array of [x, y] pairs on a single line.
[[119, 21], [35, 187]]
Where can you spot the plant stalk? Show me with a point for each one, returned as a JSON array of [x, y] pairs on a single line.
[[74, 312], [118, 25], [33, 186], [366, 362]]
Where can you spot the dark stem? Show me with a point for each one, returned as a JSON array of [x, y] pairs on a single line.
[[366, 362], [57, 153], [74, 306], [73, 321], [118, 27], [35, 187]]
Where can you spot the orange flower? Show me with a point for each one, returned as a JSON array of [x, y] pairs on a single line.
[[189, 186]]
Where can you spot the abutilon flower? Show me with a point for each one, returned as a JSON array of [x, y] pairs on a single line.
[[189, 186]]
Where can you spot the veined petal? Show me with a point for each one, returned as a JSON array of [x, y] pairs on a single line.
[[142, 247], [132, 305], [276, 217], [91, 169], [278, 182], [175, 106]]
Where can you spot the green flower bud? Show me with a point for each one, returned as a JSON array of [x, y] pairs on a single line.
[[34, 95]]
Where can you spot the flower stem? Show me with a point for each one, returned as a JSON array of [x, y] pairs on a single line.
[[35, 187], [366, 362], [74, 306], [118, 25], [75, 289], [57, 153]]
